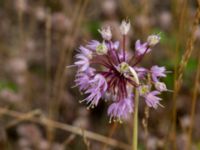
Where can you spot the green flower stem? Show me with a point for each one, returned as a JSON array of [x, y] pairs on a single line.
[[135, 121]]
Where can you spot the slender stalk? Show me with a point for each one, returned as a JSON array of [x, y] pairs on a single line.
[[193, 107], [45, 121], [110, 134], [20, 21], [179, 34], [135, 121], [179, 74], [124, 47]]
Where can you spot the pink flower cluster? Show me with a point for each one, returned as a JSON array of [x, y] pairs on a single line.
[[106, 71]]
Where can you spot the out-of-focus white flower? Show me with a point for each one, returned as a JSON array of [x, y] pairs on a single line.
[[125, 27], [160, 86], [106, 33], [152, 40]]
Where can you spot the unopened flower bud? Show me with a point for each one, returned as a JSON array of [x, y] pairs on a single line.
[[160, 86], [152, 40], [125, 27], [101, 49], [106, 33]]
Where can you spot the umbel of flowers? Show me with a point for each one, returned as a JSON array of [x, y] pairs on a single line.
[[107, 71]]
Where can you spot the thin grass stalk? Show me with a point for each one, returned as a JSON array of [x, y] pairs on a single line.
[[42, 120], [80, 19], [146, 7], [180, 71], [47, 63], [135, 120], [111, 132], [145, 125], [128, 134], [62, 55], [65, 54], [189, 48], [146, 116], [68, 140], [193, 107], [85, 140], [48, 52], [177, 51], [20, 21], [66, 59]]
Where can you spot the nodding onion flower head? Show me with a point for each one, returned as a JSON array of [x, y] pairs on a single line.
[[106, 71]]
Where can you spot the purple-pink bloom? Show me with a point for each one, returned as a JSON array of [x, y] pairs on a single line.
[[86, 52], [152, 100], [115, 45], [83, 78], [156, 72], [97, 88], [141, 71], [141, 48], [107, 71], [93, 45], [121, 109], [160, 86], [82, 62]]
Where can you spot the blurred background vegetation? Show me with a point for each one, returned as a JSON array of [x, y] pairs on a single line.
[[38, 39]]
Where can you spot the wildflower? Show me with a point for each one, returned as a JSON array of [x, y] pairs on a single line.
[[141, 48], [156, 72], [141, 72], [144, 89], [83, 78], [125, 27], [160, 86], [82, 63], [93, 45], [152, 100], [120, 110], [152, 40], [86, 52], [105, 71], [83, 58], [101, 49], [115, 45], [123, 68], [106, 33], [96, 90]]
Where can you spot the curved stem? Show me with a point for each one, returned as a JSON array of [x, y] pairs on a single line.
[[135, 121]]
